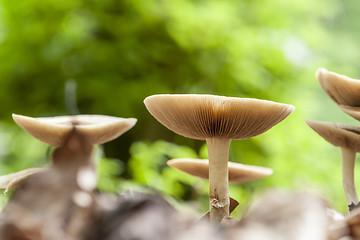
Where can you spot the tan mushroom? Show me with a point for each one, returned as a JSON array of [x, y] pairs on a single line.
[[348, 139], [217, 120], [94, 129], [351, 111], [342, 89], [98, 129], [13, 180], [238, 173]]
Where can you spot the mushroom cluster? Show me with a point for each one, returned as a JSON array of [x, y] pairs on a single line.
[[217, 120], [60, 201], [345, 92]]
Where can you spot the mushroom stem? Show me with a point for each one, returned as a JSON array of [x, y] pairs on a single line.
[[348, 163], [218, 149]]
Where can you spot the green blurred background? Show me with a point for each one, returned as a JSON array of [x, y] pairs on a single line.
[[120, 51]]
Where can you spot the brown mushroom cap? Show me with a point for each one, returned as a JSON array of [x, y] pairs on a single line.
[[351, 111], [340, 135], [342, 89], [200, 116], [238, 173], [15, 179], [98, 129]]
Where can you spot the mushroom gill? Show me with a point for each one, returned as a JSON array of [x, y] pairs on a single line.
[[204, 116]]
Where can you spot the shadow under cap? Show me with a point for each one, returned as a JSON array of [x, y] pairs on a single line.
[[340, 135], [340, 88], [238, 173], [201, 117], [98, 129]]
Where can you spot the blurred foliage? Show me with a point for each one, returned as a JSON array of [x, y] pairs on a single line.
[[121, 51]]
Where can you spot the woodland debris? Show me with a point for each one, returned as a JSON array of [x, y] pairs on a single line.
[[277, 216]]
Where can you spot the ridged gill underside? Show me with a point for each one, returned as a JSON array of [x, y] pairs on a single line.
[[207, 116], [340, 135], [340, 88], [98, 129], [238, 172], [351, 111]]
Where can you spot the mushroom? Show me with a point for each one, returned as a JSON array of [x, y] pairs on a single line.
[[348, 139], [342, 89], [94, 129], [217, 120], [351, 111], [13, 180], [238, 173], [98, 129]]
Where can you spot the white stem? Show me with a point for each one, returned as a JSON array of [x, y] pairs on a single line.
[[348, 163], [218, 149]]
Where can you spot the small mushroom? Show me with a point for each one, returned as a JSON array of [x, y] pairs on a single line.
[[348, 139], [97, 129], [13, 180], [217, 120], [342, 89], [238, 173], [351, 111]]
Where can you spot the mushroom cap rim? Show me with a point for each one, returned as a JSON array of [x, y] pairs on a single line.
[[51, 130], [205, 133], [232, 166]]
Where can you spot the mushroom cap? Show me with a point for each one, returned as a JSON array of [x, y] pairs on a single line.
[[97, 129], [238, 172], [13, 180], [351, 111], [201, 116], [340, 88], [340, 135]]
